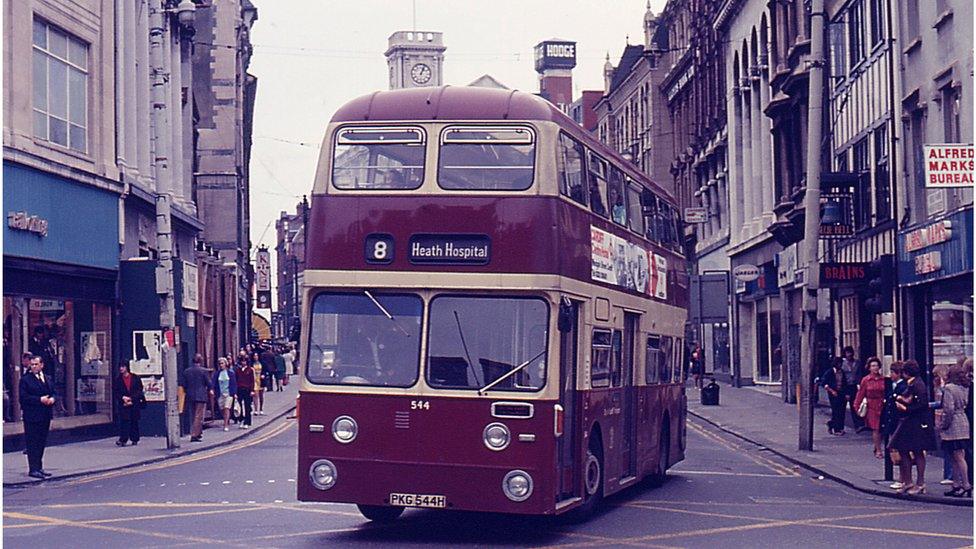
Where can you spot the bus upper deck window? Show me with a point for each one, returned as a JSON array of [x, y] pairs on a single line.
[[486, 158], [597, 174], [378, 158]]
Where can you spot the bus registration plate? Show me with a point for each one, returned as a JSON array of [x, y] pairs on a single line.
[[418, 500]]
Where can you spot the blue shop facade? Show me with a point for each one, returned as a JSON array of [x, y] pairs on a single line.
[[60, 276], [935, 278]]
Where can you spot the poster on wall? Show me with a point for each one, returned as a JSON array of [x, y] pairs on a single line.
[[154, 389], [147, 353], [616, 261], [190, 287], [93, 360], [90, 390]]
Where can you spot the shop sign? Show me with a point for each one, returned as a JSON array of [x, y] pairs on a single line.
[[696, 215], [262, 270], [555, 55], [930, 235], [786, 271], [746, 273], [834, 275], [30, 223], [949, 166], [836, 215], [928, 262], [680, 83]]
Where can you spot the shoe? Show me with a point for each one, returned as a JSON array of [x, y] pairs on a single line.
[[905, 488], [134, 442], [196, 439], [896, 486], [119, 443], [242, 426], [840, 433], [226, 429], [917, 489], [945, 481], [879, 455], [863, 428], [37, 475], [45, 473], [954, 493]]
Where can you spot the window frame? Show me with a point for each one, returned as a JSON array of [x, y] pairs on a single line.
[[442, 140], [604, 373], [337, 135], [561, 161], [594, 179], [71, 67]]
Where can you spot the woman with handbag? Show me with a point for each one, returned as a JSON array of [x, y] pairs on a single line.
[[954, 430], [131, 399], [915, 434], [870, 400]]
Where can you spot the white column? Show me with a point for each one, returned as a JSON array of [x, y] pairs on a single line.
[[142, 95], [748, 184], [735, 166], [769, 185], [131, 82], [175, 111], [759, 193]]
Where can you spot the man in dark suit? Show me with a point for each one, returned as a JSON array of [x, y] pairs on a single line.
[[199, 389], [36, 402], [130, 399]]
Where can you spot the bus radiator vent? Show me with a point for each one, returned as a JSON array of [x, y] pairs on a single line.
[[401, 420]]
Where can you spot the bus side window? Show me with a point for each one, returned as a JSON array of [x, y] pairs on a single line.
[[665, 360], [670, 225], [596, 173], [571, 169], [679, 362], [616, 360], [618, 208], [649, 205], [634, 208], [651, 359], [600, 359]]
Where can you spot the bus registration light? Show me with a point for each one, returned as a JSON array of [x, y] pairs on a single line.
[[323, 474], [517, 485], [497, 436], [344, 429]]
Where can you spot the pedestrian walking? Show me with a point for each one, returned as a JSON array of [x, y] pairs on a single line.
[[225, 387], [697, 365], [289, 357], [198, 388], [915, 434], [130, 400], [871, 392], [245, 388], [37, 398], [258, 384], [954, 430], [267, 358], [279, 371], [890, 418], [853, 373], [834, 382]]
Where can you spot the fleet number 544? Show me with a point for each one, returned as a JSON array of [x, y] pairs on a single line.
[[420, 405]]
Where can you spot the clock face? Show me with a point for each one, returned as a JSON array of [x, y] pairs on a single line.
[[420, 73]]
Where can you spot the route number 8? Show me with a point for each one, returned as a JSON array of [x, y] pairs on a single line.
[[379, 248]]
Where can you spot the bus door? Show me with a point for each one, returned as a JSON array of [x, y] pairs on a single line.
[[629, 404], [568, 472]]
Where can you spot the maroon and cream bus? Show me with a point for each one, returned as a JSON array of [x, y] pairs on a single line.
[[493, 310]]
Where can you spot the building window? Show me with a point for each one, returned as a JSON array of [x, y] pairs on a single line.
[[863, 198], [950, 114], [911, 16], [849, 330], [60, 80], [877, 22], [882, 183], [855, 30]]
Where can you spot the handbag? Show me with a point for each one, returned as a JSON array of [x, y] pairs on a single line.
[[862, 410]]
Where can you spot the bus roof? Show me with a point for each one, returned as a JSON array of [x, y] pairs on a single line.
[[450, 103]]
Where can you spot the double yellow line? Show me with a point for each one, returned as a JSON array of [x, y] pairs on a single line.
[[206, 454]]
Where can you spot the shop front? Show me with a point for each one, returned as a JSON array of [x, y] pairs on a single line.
[[935, 274], [59, 296], [757, 325]]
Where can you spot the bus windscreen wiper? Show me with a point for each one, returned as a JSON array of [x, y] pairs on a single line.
[[510, 373], [385, 312], [464, 345]]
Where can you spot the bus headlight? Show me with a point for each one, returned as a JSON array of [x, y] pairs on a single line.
[[517, 485], [344, 429], [323, 474], [496, 436]]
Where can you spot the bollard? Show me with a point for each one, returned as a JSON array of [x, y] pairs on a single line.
[[709, 394]]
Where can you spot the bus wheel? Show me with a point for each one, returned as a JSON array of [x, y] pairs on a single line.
[[592, 479], [664, 449], [380, 513]]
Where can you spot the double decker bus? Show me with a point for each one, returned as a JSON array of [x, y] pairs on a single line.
[[493, 307]]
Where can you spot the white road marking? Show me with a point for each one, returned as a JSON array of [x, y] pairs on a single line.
[[248, 482], [278, 501], [163, 484], [225, 482], [204, 484], [271, 481], [291, 480]]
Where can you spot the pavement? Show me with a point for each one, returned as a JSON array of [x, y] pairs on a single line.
[[102, 455], [759, 415]]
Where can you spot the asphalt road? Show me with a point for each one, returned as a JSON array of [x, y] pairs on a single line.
[[726, 494]]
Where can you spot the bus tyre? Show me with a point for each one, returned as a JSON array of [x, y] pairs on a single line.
[[664, 449], [380, 513], [592, 479]]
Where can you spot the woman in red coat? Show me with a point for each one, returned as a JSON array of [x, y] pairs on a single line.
[[872, 389]]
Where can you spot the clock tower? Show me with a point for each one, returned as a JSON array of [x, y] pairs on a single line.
[[415, 59]]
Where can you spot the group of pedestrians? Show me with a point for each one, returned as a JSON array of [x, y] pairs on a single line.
[[900, 409], [237, 387]]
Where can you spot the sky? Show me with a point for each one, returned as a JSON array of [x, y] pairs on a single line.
[[312, 56]]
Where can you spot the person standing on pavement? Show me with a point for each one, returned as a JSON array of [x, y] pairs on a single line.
[[245, 387], [697, 365], [940, 375], [37, 399], [289, 357], [853, 373], [872, 389], [834, 381], [267, 357], [954, 430], [225, 386], [199, 389], [258, 384], [130, 399], [279, 371], [915, 434], [890, 417]]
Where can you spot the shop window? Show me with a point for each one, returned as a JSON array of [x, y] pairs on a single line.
[[952, 328], [60, 87]]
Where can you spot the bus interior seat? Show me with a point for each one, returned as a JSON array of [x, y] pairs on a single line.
[[449, 371]]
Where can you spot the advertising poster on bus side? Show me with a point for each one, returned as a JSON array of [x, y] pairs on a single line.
[[621, 263]]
